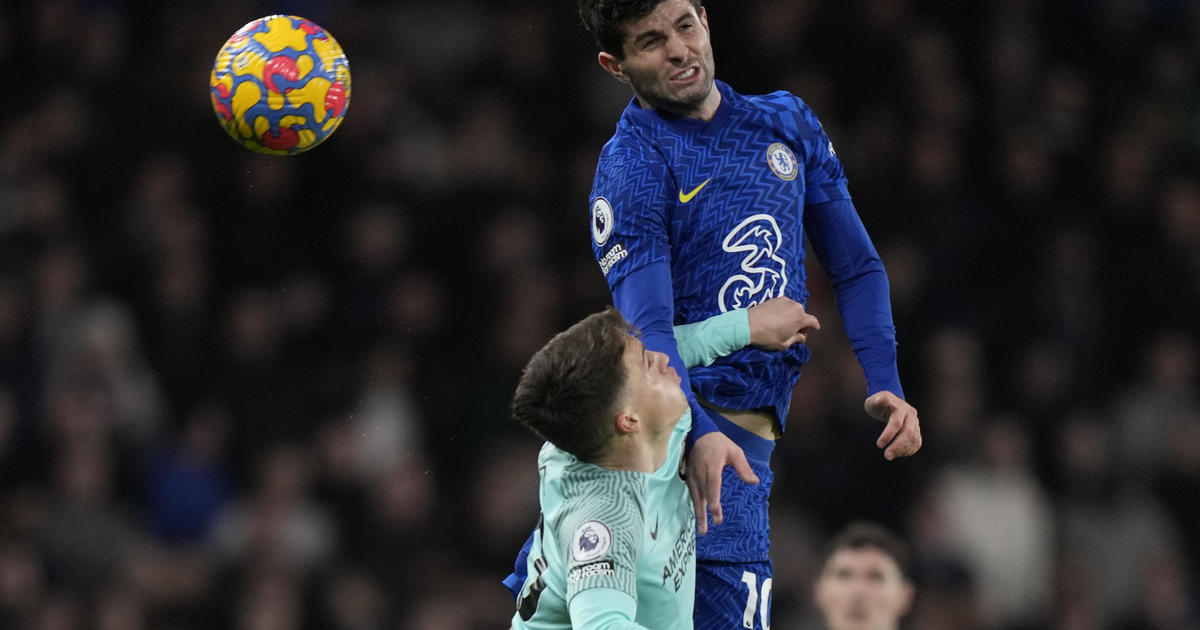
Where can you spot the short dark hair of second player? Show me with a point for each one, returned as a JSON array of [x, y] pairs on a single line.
[[864, 535], [569, 391], [606, 20]]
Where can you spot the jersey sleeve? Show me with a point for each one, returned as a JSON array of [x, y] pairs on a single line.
[[601, 537], [629, 211], [703, 342], [860, 286], [604, 609], [824, 179], [644, 297], [842, 245]]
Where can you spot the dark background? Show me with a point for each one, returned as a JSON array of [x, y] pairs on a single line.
[[262, 393]]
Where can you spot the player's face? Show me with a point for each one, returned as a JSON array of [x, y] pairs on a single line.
[[653, 387], [669, 59], [862, 589]]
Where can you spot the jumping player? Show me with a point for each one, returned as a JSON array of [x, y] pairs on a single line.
[[701, 204]]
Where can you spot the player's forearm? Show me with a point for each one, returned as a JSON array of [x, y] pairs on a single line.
[[861, 286], [867, 317], [644, 297], [703, 342]]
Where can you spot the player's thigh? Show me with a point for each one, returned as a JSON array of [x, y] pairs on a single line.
[[735, 595]]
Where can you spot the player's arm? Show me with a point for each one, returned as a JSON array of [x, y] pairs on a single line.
[[604, 609], [861, 289], [860, 285], [602, 540], [644, 297], [773, 325]]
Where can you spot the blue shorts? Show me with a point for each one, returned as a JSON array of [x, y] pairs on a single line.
[[733, 570], [743, 535], [733, 595]]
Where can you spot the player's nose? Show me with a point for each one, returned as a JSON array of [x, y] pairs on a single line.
[[676, 48], [660, 361]]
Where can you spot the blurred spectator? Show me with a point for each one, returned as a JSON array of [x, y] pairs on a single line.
[[866, 579], [353, 601], [279, 525], [1164, 395], [1163, 601], [1000, 522], [1177, 482], [85, 535], [1112, 530], [22, 583], [188, 484]]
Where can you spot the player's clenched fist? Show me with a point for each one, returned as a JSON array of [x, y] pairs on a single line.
[[779, 322]]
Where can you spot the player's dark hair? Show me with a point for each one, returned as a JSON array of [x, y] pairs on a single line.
[[606, 20], [865, 535], [568, 392]]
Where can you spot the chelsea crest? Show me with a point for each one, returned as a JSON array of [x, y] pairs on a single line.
[[782, 161]]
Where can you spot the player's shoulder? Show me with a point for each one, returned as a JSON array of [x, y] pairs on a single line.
[[776, 99], [572, 479], [590, 494], [629, 161], [780, 101], [791, 113], [580, 479], [628, 146]]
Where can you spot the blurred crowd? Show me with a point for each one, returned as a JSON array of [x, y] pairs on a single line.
[[261, 393]]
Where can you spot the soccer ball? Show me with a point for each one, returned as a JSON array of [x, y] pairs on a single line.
[[280, 85]]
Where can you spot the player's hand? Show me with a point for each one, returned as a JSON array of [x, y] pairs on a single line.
[[902, 435], [780, 322], [705, 464]]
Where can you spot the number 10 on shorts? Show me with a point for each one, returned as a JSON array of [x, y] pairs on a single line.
[[756, 601]]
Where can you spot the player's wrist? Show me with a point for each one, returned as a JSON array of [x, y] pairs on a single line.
[[698, 432]]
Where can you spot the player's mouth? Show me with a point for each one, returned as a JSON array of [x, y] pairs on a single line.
[[687, 76]]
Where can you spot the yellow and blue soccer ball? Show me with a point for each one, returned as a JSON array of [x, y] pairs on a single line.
[[280, 85]]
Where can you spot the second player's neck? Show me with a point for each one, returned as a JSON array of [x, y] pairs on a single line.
[[641, 455]]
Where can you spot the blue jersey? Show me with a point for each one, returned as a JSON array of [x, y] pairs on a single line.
[[727, 205]]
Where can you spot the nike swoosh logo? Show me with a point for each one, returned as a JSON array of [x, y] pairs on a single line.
[[686, 197], [654, 532]]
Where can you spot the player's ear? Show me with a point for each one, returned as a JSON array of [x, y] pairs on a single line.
[[612, 65], [627, 422]]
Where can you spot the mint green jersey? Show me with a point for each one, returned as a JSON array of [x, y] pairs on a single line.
[[617, 548], [611, 542]]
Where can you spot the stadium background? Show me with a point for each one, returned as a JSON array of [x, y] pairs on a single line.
[[260, 393]]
